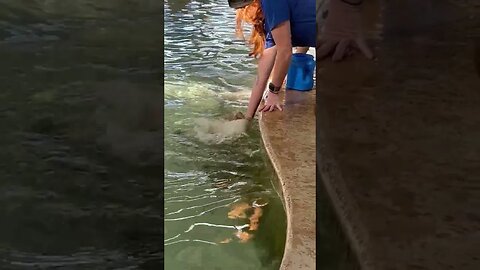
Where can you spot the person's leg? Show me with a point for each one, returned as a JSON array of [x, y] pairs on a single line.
[[301, 49]]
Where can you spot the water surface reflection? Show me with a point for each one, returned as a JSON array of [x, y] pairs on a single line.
[[79, 80], [209, 188]]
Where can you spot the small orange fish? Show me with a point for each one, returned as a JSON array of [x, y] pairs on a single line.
[[255, 219], [226, 241], [238, 211], [244, 236]]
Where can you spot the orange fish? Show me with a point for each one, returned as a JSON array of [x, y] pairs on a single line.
[[239, 211]]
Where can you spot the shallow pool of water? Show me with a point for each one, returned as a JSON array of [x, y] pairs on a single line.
[[207, 76], [82, 157]]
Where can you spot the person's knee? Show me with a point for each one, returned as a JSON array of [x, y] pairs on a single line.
[[301, 49]]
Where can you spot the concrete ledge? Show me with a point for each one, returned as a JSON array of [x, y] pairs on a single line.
[[399, 147], [289, 140], [347, 212]]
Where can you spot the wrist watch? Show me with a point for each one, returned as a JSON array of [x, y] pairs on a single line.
[[274, 89]]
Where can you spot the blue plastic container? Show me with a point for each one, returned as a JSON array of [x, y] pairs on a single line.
[[300, 72]]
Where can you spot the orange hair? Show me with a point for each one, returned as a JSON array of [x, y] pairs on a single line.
[[252, 14]]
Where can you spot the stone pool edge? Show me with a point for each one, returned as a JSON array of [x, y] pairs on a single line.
[[294, 167]]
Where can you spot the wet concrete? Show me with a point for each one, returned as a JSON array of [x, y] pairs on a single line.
[[398, 144], [289, 139]]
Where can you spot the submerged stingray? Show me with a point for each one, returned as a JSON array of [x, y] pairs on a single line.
[[215, 131], [235, 116]]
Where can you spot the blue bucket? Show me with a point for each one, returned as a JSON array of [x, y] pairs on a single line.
[[300, 72]]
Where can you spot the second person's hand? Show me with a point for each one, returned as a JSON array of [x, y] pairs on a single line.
[[342, 32]]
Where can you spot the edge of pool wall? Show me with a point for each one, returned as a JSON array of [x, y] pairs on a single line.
[[346, 213], [289, 141]]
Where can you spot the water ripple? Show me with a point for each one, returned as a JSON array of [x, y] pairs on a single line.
[[201, 213]]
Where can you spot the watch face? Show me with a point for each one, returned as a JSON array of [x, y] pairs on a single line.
[[239, 3], [273, 88]]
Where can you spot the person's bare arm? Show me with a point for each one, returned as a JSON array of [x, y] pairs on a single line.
[[265, 66], [283, 40]]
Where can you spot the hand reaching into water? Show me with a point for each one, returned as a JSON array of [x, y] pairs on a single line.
[[342, 32]]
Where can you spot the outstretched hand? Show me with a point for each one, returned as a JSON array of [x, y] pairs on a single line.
[[272, 103], [342, 32]]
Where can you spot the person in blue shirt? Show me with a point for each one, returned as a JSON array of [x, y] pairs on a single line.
[[277, 27]]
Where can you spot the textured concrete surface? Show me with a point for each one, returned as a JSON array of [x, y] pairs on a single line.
[[289, 139], [399, 138]]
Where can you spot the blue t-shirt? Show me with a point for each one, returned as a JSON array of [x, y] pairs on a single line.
[[301, 14]]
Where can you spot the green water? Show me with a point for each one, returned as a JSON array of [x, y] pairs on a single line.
[[207, 75], [81, 160]]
